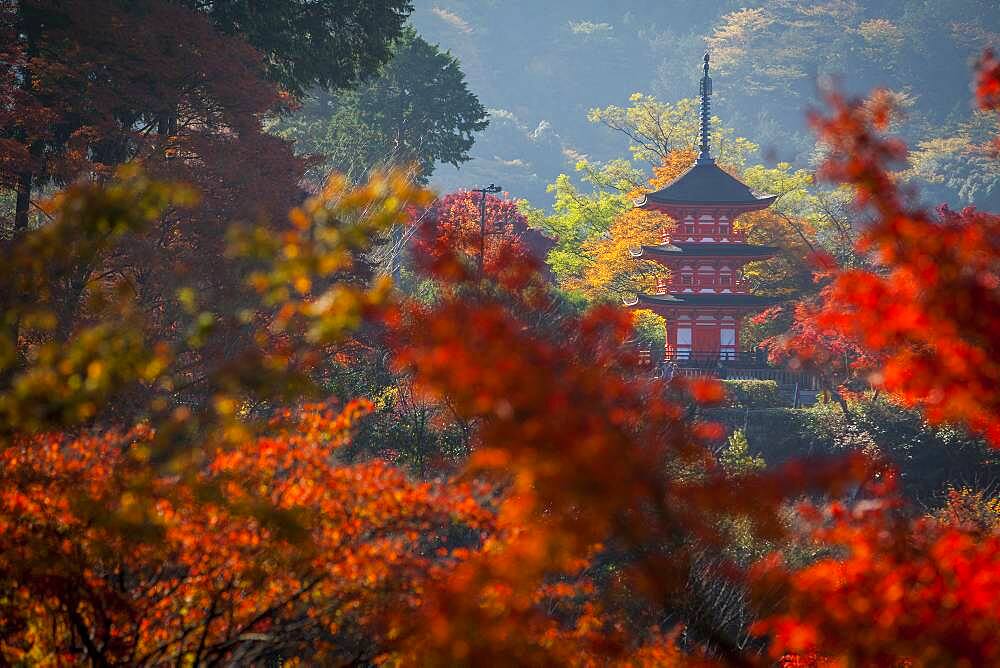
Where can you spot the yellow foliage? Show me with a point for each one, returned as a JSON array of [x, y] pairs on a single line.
[[613, 271], [672, 166]]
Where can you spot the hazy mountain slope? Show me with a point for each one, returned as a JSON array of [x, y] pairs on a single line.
[[540, 65]]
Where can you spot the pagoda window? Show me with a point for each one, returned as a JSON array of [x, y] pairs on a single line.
[[727, 343], [689, 229], [706, 276], [683, 343], [724, 227], [687, 276]]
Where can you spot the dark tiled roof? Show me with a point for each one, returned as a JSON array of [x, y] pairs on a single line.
[[706, 183], [714, 249], [707, 299]]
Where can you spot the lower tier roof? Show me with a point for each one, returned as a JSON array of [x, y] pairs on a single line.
[[706, 299]]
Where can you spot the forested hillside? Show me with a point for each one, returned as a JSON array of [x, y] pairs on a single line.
[[541, 66]]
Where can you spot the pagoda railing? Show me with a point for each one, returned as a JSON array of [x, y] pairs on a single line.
[[710, 359], [726, 365], [783, 377], [736, 287]]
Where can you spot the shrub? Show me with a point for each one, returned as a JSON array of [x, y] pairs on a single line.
[[752, 393]]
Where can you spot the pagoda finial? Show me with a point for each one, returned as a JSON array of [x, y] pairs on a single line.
[[704, 157]]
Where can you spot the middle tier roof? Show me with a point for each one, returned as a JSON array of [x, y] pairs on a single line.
[[705, 249]]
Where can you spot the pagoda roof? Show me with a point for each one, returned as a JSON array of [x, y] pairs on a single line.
[[706, 183], [702, 249], [705, 299]]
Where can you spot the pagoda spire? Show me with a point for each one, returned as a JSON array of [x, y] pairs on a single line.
[[704, 156]]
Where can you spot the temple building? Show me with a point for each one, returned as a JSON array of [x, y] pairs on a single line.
[[705, 299]]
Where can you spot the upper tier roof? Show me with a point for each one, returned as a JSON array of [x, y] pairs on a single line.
[[706, 183]]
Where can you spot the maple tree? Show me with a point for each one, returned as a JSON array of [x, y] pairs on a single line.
[[914, 587], [261, 553], [194, 537], [836, 360], [929, 308], [116, 84], [885, 551], [144, 102], [454, 222], [182, 88], [911, 592]]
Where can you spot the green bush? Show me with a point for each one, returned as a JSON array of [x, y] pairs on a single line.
[[752, 393], [928, 459], [776, 433], [736, 458], [650, 329]]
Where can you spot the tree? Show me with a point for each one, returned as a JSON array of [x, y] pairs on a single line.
[[593, 517], [74, 73], [780, 43], [577, 217], [331, 43], [655, 129], [930, 306], [109, 98], [911, 593], [277, 563], [804, 221], [595, 232], [418, 109], [961, 158], [118, 83], [198, 535], [611, 269], [454, 221]]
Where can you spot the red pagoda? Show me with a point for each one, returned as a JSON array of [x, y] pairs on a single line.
[[705, 300]]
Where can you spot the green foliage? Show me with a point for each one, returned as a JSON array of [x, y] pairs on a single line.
[[650, 328], [404, 428], [417, 110], [595, 230], [656, 128], [961, 159], [65, 380], [578, 217], [306, 43], [928, 457], [752, 393], [817, 217], [736, 458]]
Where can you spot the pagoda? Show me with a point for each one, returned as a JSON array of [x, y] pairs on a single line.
[[705, 299]]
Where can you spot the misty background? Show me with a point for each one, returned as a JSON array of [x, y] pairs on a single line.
[[539, 66]]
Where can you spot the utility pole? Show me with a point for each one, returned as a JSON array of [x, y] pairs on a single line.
[[488, 190]]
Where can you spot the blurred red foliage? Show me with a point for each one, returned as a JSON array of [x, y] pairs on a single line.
[[929, 312], [907, 592]]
